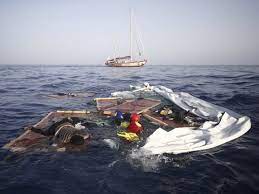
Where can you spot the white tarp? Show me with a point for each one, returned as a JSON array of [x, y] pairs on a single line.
[[223, 126]]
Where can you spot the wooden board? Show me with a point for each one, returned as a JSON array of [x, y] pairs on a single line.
[[27, 139], [104, 103], [135, 106], [54, 116], [154, 117], [31, 139]]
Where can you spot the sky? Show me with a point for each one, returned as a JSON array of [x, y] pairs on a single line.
[[85, 32]]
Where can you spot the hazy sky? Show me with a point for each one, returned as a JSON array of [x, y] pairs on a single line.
[[86, 32]]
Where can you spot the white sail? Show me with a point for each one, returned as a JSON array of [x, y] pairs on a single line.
[[129, 61]]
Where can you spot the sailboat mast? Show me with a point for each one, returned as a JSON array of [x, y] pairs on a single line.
[[131, 35]]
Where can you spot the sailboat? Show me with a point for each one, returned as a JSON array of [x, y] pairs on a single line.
[[128, 61]]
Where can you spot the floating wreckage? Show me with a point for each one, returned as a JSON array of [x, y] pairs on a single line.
[[57, 131], [63, 95], [209, 125], [183, 123]]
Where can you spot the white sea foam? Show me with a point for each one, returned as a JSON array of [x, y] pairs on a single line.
[[111, 143], [149, 163]]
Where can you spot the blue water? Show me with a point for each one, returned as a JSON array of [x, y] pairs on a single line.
[[230, 168]]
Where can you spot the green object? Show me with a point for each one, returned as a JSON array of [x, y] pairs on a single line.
[[124, 124], [128, 136]]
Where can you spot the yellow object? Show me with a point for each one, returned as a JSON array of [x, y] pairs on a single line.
[[124, 124], [128, 135], [163, 112], [166, 112]]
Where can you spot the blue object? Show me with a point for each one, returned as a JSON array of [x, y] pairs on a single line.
[[119, 115], [118, 118]]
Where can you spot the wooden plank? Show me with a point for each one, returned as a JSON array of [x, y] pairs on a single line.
[[135, 106], [162, 121], [74, 111], [104, 103], [24, 140], [153, 119], [108, 98], [44, 122]]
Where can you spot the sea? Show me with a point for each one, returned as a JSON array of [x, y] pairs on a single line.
[[24, 100]]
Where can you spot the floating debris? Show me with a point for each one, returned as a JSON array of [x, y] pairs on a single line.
[[135, 106], [189, 123], [129, 136], [62, 95], [104, 103]]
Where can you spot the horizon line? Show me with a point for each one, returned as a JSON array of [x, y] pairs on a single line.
[[145, 65]]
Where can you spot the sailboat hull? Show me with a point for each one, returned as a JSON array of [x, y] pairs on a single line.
[[126, 64]]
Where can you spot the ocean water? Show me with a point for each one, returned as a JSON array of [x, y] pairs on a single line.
[[230, 168]]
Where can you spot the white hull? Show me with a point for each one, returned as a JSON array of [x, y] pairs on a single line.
[[130, 60], [127, 64]]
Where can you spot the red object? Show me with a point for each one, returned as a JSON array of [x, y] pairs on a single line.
[[134, 117], [135, 127]]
